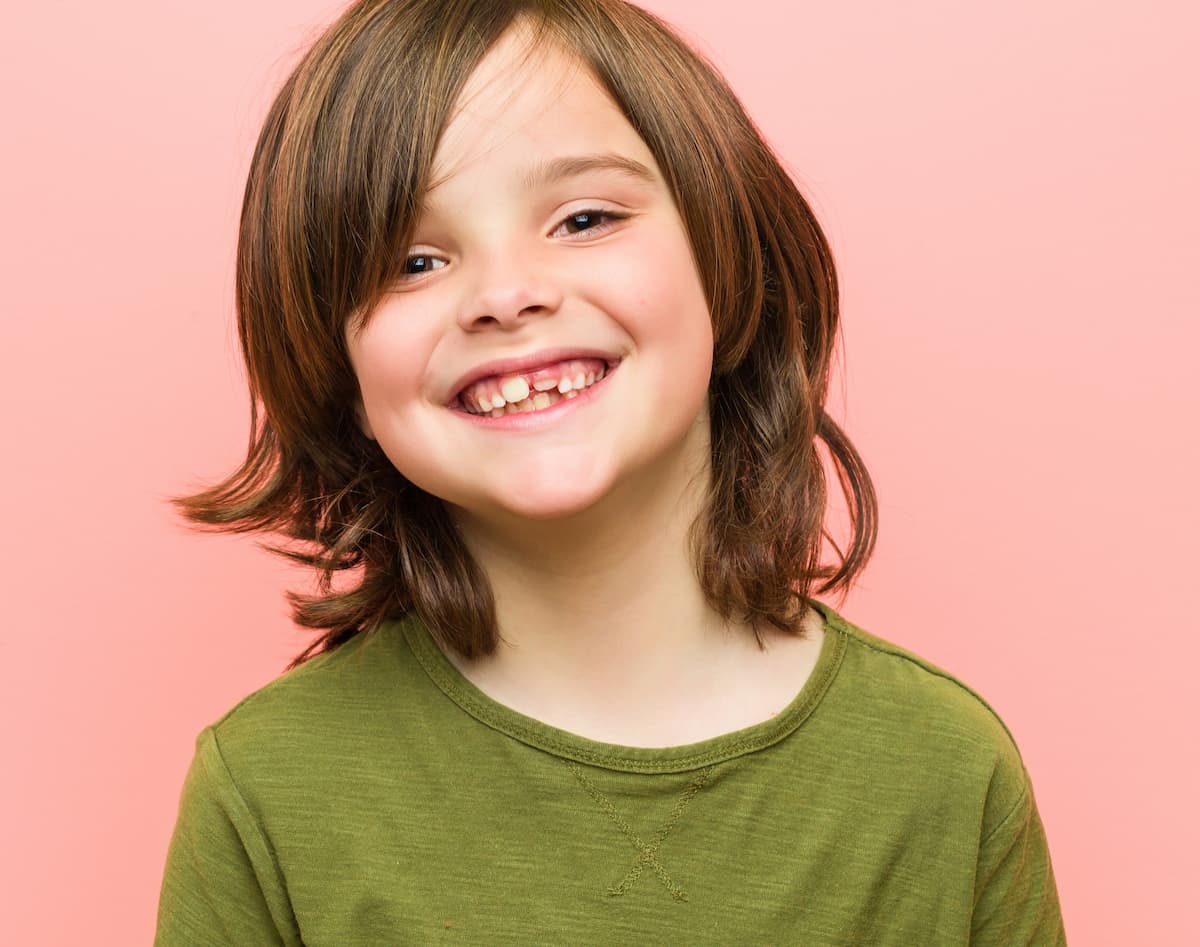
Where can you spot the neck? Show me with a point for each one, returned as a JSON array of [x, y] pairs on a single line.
[[608, 602]]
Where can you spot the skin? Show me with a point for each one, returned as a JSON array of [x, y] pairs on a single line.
[[581, 525]]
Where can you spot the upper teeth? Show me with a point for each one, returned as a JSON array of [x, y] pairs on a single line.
[[514, 390], [511, 393]]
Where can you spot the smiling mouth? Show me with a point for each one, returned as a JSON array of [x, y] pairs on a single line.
[[537, 391]]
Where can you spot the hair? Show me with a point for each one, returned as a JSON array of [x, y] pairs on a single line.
[[330, 204]]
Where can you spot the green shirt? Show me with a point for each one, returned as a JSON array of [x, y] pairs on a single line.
[[374, 795]]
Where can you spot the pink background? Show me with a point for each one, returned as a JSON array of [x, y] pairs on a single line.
[[1011, 193]]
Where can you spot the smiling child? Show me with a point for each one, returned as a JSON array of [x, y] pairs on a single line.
[[539, 336]]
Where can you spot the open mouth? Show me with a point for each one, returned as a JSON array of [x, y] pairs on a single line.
[[533, 391]]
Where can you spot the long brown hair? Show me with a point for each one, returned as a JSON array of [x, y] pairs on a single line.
[[336, 179]]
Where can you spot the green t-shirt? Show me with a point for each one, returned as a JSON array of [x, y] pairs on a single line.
[[374, 795]]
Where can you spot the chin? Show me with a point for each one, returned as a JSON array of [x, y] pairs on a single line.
[[548, 497], [548, 513], [559, 504]]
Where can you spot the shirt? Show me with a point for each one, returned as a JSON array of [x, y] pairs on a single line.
[[374, 795]]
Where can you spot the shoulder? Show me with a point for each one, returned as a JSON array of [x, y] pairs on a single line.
[[911, 708], [918, 685], [315, 715], [312, 684]]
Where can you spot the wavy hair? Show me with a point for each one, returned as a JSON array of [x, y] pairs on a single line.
[[336, 179]]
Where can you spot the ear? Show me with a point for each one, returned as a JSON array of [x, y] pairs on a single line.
[[364, 423]]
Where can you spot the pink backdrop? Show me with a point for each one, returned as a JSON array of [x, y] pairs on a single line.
[[1011, 193]]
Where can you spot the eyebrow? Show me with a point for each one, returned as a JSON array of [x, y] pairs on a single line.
[[558, 169], [545, 173]]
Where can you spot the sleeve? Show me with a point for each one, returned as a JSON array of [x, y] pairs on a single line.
[[221, 884], [1016, 900]]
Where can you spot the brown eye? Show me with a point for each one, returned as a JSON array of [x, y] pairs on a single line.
[[588, 221], [422, 263], [583, 221]]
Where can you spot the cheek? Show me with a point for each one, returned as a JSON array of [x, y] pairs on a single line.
[[662, 293], [658, 297], [675, 312], [389, 358], [386, 358]]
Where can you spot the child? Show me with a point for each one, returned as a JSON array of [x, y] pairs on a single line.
[[541, 334]]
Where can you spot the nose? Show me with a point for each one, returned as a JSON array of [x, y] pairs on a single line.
[[511, 288]]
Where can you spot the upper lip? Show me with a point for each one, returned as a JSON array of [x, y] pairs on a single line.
[[521, 363]]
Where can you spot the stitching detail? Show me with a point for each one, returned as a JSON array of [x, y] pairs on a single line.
[[895, 651], [1019, 804], [718, 749], [647, 854], [259, 851]]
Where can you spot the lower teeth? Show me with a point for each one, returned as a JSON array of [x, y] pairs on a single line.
[[540, 400]]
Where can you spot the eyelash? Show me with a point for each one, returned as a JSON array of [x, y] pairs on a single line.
[[609, 217]]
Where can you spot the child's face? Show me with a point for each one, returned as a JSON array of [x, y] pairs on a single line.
[[506, 263]]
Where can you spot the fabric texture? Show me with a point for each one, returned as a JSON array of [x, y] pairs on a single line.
[[374, 795]]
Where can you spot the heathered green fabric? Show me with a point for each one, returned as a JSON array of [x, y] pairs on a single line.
[[375, 796]]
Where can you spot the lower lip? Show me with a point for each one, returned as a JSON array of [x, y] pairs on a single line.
[[536, 420]]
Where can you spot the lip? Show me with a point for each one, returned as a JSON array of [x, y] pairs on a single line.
[[521, 363]]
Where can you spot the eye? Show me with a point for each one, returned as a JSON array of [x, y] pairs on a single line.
[[587, 221], [420, 263]]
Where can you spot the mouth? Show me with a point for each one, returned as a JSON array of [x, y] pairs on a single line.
[[525, 406], [533, 389]]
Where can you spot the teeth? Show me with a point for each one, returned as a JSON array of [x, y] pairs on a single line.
[[516, 396], [514, 390]]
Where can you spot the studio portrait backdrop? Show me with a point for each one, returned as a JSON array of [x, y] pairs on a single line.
[[1010, 194]]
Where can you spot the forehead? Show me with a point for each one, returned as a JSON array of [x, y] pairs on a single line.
[[525, 104]]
